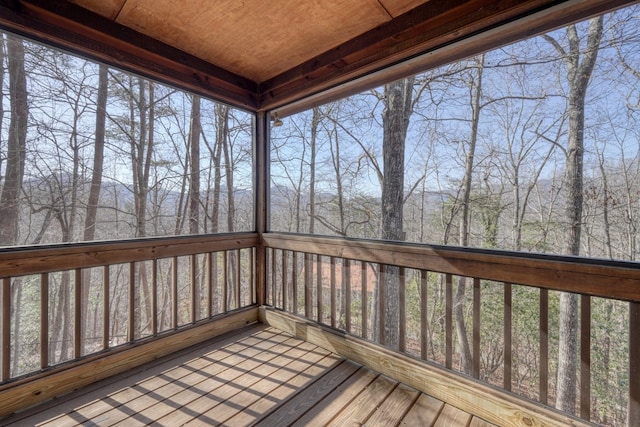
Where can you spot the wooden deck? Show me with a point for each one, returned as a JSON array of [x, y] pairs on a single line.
[[257, 376]]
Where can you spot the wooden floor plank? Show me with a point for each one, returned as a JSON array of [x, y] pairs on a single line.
[[361, 408], [327, 408], [298, 405], [452, 417], [394, 408], [424, 412]]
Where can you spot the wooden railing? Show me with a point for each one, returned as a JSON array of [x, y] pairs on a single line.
[[335, 282], [63, 303]]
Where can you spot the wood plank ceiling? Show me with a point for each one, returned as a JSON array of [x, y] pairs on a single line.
[[266, 54]]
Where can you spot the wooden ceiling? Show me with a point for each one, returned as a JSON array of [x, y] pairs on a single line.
[[266, 54]]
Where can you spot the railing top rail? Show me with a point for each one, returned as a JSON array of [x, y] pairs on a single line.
[[590, 276], [16, 261]]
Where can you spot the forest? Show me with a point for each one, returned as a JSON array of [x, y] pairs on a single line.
[[531, 147]]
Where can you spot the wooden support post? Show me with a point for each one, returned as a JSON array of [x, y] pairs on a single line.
[[262, 131]]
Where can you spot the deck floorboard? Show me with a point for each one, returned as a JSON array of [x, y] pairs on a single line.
[[257, 376]]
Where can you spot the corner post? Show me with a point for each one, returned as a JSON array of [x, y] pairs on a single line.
[[261, 177]]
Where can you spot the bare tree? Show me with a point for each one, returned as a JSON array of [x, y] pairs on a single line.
[[579, 65], [10, 195]]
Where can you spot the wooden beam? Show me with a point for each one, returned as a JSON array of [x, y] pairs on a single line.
[[433, 34], [75, 29], [45, 386], [495, 406], [595, 277]]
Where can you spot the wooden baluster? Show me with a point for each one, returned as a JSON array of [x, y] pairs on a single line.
[[44, 320], [285, 285], [544, 346], [319, 287], [6, 328], [508, 330], [271, 259], [346, 286], [252, 276], [131, 332], [476, 328], [424, 332], [225, 281], [294, 282], [209, 282], [382, 307], [215, 294], [402, 313], [333, 291], [238, 283], [154, 296], [192, 287], [448, 359], [106, 307], [585, 357], [307, 285], [77, 314], [633, 413], [174, 292], [364, 302]]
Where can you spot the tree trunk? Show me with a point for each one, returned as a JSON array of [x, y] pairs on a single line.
[[395, 122], [578, 76], [194, 186], [461, 328], [14, 172], [96, 182], [194, 182]]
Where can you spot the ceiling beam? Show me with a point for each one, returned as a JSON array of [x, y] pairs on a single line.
[[75, 29]]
